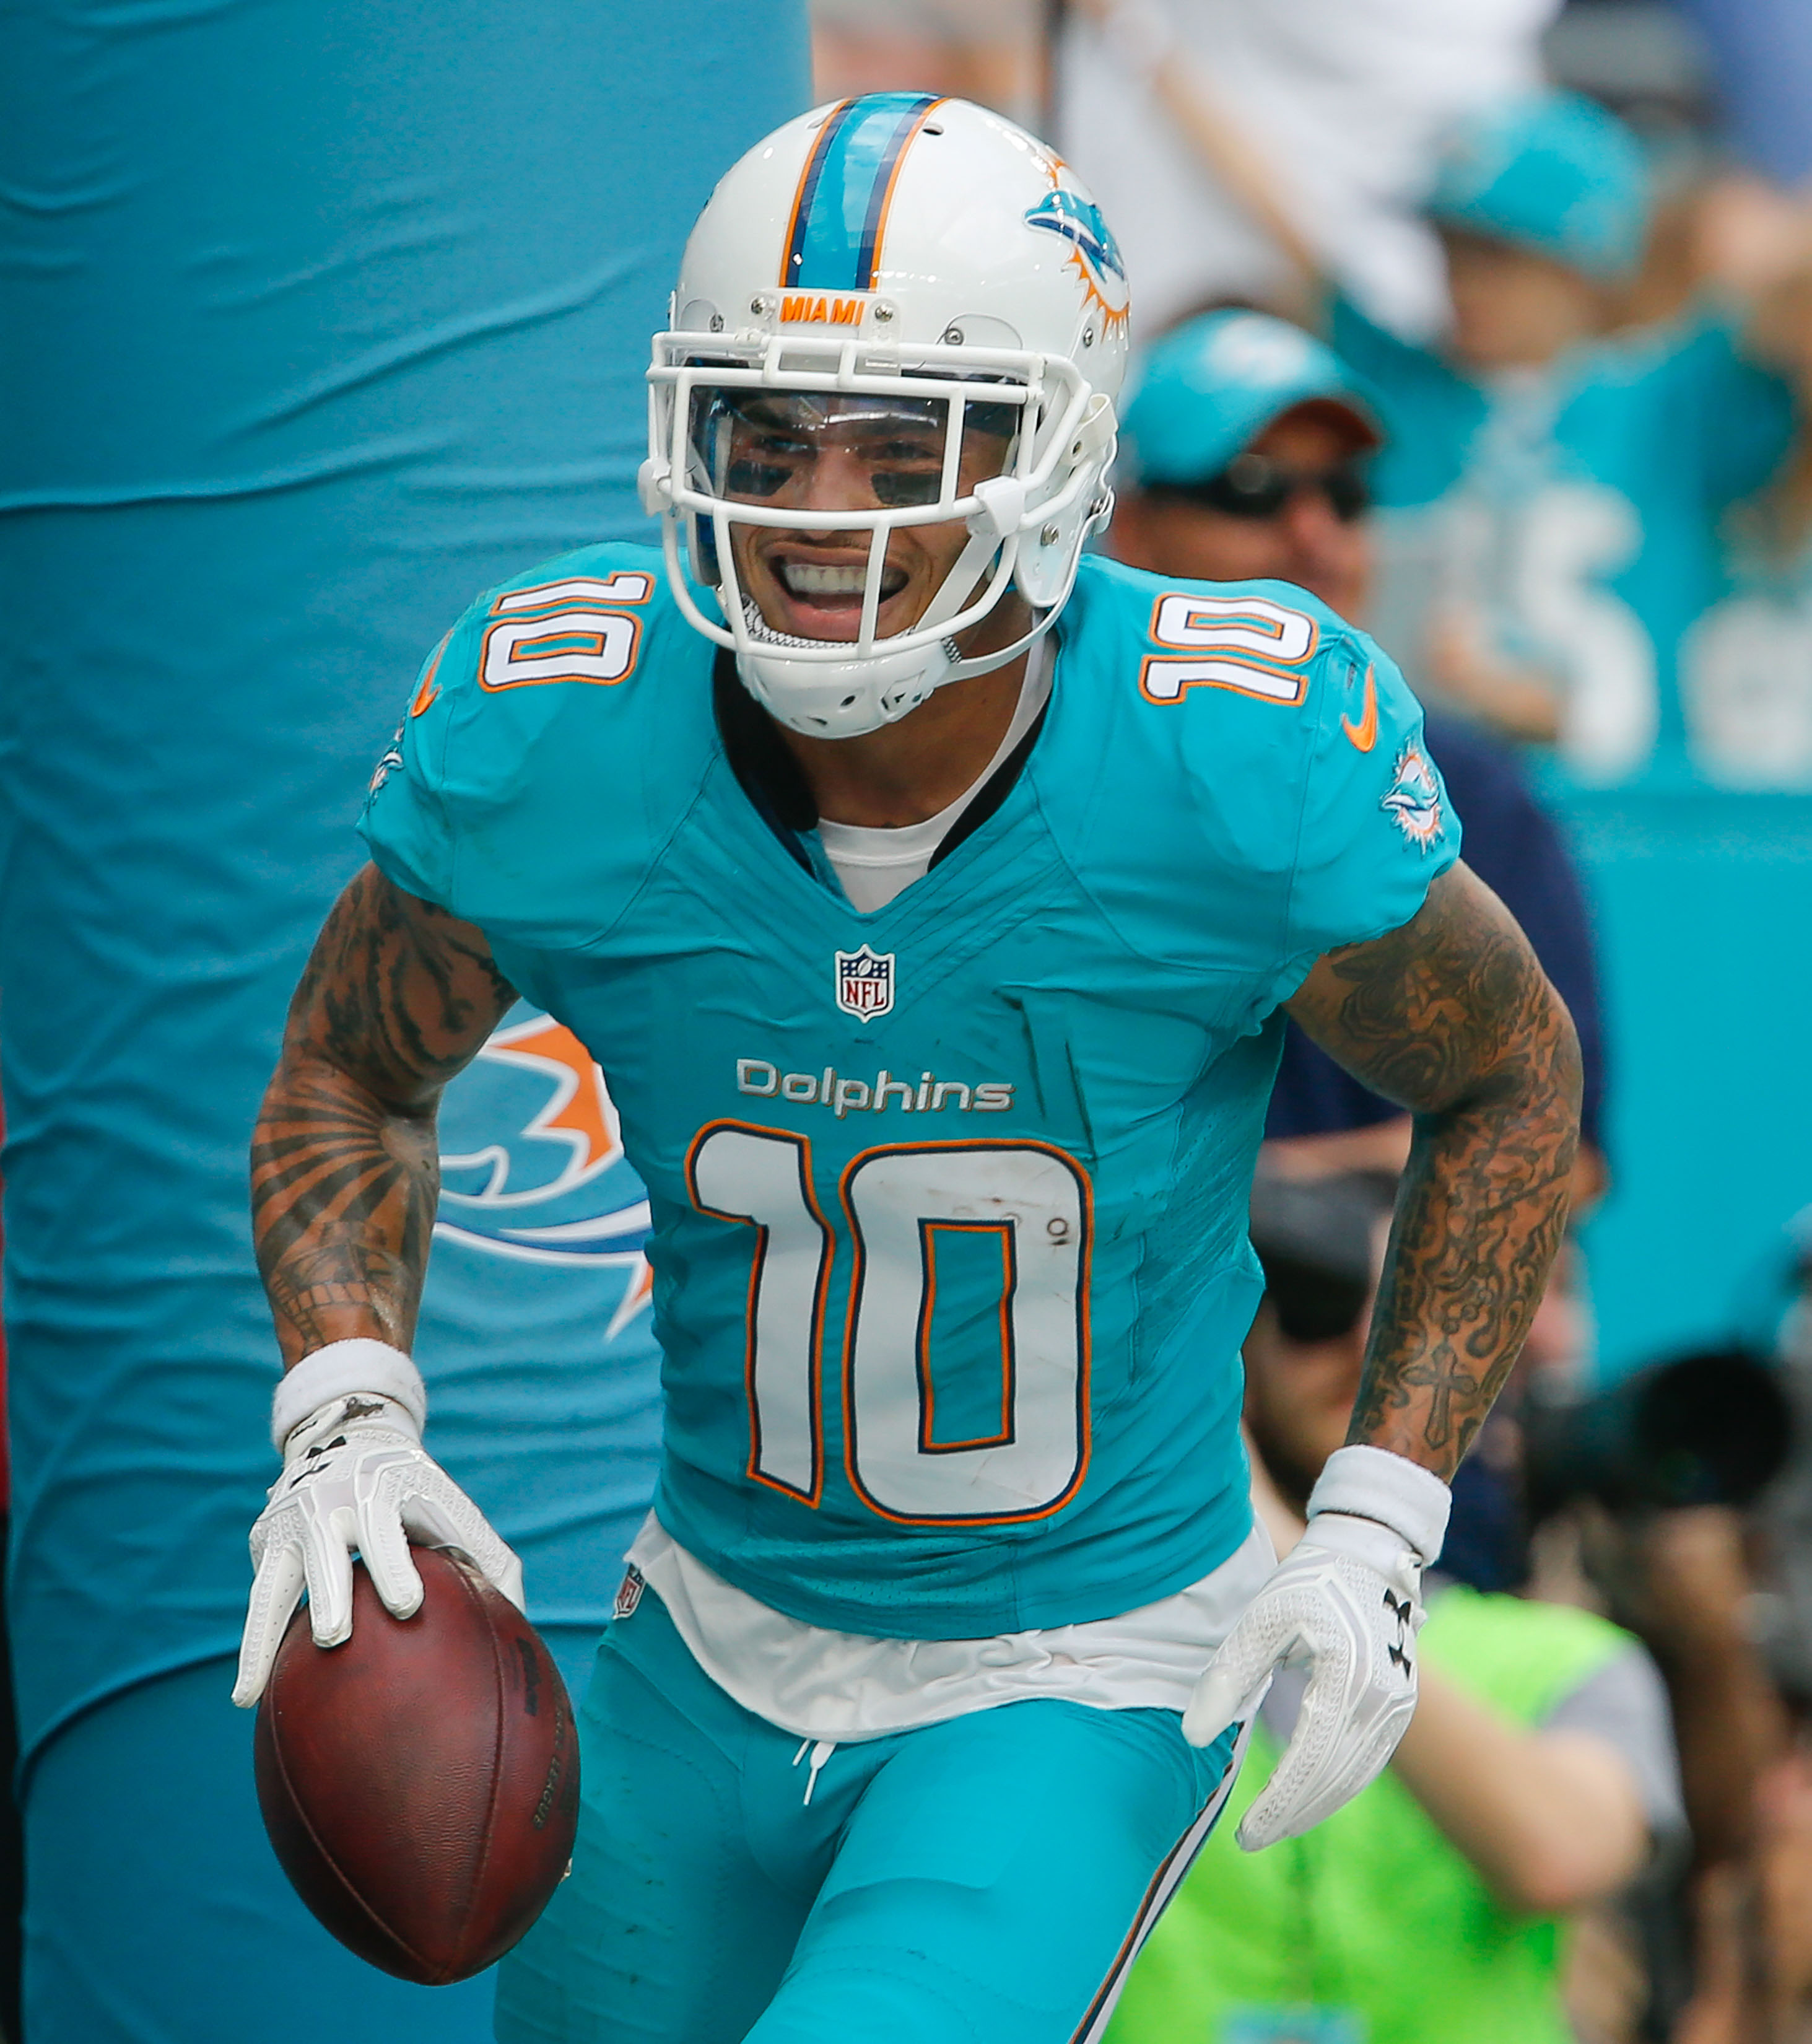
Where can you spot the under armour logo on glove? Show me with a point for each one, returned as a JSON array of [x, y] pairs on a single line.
[[1404, 1612], [1347, 1603]]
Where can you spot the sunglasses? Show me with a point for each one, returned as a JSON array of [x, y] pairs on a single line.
[[1312, 1304], [1253, 486]]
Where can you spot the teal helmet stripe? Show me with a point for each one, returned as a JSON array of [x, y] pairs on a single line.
[[833, 242]]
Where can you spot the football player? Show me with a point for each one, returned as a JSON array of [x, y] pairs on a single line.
[[930, 894]]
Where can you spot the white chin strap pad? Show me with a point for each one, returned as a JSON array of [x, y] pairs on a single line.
[[846, 698]]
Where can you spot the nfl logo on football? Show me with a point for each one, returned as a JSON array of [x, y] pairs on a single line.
[[864, 981]]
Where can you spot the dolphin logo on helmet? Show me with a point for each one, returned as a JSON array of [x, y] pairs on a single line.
[[1079, 219]]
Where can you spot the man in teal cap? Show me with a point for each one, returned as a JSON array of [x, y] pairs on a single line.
[[1552, 489], [1245, 454], [1554, 177]]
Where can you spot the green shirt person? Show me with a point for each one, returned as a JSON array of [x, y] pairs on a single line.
[[1372, 1928], [1534, 1780]]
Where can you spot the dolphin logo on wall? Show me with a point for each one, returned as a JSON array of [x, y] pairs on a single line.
[[531, 1163]]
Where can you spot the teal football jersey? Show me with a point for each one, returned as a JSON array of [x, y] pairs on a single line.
[[1576, 510], [949, 1199]]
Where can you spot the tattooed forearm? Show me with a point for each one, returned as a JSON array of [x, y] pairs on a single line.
[[397, 997], [343, 1199], [1452, 1016]]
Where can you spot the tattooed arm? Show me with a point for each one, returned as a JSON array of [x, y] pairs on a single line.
[[397, 997], [1451, 1017]]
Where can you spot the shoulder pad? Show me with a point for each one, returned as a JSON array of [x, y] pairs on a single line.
[[1253, 763], [1198, 650], [576, 680]]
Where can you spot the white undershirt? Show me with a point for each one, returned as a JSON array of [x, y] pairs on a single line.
[[841, 1687], [875, 865]]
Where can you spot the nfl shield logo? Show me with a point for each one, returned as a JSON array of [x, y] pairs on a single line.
[[864, 981]]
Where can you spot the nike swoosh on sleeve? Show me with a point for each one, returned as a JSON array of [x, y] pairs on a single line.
[[430, 688], [1364, 733]]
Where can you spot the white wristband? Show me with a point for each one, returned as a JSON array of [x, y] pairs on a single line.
[[1371, 1483], [340, 1368]]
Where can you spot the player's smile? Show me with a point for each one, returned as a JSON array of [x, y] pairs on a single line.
[[815, 591], [820, 582]]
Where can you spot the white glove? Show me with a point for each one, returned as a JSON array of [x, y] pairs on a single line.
[[355, 1477], [1346, 1604]]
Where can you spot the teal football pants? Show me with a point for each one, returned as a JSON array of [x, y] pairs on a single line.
[[985, 1880]]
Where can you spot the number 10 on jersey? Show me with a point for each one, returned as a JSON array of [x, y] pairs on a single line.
[[906, 1206]]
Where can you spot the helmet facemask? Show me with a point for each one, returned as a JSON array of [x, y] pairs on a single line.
[[842, 454]]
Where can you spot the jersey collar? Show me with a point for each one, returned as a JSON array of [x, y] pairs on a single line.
[[770, 777]]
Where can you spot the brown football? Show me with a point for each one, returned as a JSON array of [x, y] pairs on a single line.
[[421, 1783]]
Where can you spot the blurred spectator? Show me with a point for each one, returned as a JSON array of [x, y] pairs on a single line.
[[1538, 1776], [1247, 455], [989, 51], [1648, 1479], [1755, 1913], [1554, 488], [1746, 666], [1175, 110], [1639, 1493]]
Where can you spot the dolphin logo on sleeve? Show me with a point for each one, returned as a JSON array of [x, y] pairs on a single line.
[[1413, 800]]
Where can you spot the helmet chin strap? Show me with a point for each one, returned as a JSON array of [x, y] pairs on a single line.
[[849, 698]]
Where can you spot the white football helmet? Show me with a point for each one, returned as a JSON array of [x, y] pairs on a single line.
[[893, 264]]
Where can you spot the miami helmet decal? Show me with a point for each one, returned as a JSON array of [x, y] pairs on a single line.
[[531, 1165]]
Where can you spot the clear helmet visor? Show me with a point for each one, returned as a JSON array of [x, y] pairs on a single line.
[[831, 452]]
